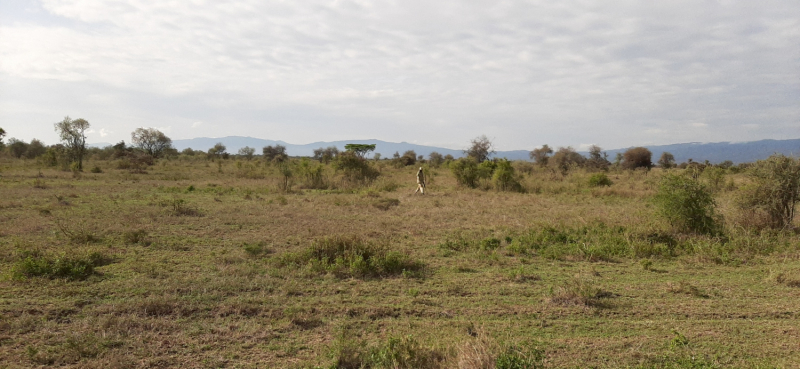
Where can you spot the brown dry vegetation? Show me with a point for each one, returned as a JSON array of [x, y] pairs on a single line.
[[199, 264]]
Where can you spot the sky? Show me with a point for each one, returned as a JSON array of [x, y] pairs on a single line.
[[524, 73]]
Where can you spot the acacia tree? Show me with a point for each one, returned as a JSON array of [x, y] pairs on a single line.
[[151, 141], [275, 153], [541, 155], [597, 158], [480, 148], [218, 151], [360, 149], [73, 134], [667, 160], [247, 152]]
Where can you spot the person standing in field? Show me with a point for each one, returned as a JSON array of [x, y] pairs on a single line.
[[420, 182]]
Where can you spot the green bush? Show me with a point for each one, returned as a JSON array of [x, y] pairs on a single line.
[[466, 172], [505, 178], [773, 193], [355, 168], [350, 256], [687, 204], [70, 267], [520, 357], [599, 179]]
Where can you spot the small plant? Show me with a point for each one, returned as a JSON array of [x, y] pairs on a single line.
[[135, 236], [687, 205], [520, 357], [39, 183], [679, 340], [522, 275], [599, 180], [255, 249], [403, 352], [646, 264], [490, 243], [96, 169]]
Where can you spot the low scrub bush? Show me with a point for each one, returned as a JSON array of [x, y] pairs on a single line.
[[599, 180], [350, 256], [396, 353], [386, 203], [70, 267], [773, 193], [179, 207], [505, 178], [687, 205]]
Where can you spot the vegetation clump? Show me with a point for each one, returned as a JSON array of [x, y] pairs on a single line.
[[599, 180], [687, 204], [769, 201], [71, 267], [350, 256]]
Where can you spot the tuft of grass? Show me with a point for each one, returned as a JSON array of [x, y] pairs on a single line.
[[137, 236], [351, 256], [179, 207], [386, 203], [70, 267], [255, 249], [686, 288], [579, 291]]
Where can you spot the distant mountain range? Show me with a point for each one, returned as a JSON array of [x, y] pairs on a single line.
[[739, 152]]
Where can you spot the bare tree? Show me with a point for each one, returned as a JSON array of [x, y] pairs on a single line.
[[151, 141], [480, 148], [73, 134]]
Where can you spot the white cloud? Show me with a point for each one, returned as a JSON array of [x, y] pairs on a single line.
[[528, 73]]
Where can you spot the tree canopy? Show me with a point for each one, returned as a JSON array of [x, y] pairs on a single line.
[[360, 149]]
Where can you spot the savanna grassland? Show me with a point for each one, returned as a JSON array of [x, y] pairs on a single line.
[[197, 263]]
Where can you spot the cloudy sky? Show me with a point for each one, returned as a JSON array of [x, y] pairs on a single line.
[[525, 73]]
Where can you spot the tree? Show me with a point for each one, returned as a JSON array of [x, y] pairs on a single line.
[[17, 148], [151, 141], [325, 155], [540, 155], [667, 160], [597, 158], [566, 158], [35, 149], [275, 153], [247, 152], [73, 135], [360, 149], [435, 159], [687, 204], [409, 158], [2, 134], [480, 148], [217, 151], [637, 157]]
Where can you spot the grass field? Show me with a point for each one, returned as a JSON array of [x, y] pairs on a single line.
[[199, 264]]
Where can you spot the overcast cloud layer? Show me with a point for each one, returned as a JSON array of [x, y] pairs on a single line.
[[525, 73]]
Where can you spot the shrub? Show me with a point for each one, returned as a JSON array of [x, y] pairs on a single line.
[[774, 191], [350, 256], [386, 203], [70, 267], [520, 357], [179, 207], [637, 157], [687, 205], [466, 172], [505, 179], [578, 291], [566, 158], [355, 168], [599, 179]]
